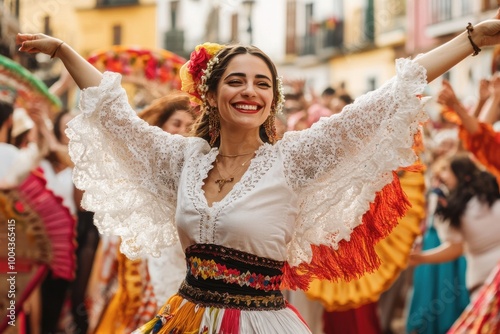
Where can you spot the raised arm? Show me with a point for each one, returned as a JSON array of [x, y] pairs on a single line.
[[490, 112], [448, 98], [484, 95], [444, 57], [84, 73]]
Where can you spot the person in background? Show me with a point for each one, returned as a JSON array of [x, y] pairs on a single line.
[[440, 284], [323, 107], [477, 137], [17, 163], [472, 210], [339, 102]]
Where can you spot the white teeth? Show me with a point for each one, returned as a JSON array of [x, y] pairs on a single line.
[[246, 107]]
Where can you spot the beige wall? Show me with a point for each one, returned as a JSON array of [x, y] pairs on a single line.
[[138, 27], [356, 69], [62, 17], [86, 28]]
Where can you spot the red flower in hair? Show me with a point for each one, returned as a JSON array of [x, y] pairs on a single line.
[[198, 62]]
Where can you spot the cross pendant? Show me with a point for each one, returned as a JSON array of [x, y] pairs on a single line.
[[222, 182]]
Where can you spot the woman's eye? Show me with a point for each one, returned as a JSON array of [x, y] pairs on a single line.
[[234, 82], [264, 84]]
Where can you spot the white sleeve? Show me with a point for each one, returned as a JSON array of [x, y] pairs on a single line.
[[339, 164], [128, 169]]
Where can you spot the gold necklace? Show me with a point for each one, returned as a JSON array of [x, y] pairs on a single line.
[[235, 155], [222, 181]]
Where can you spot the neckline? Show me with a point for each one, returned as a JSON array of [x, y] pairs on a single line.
[[212, 155]]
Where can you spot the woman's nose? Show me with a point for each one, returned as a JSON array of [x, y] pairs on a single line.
[[249, 90]]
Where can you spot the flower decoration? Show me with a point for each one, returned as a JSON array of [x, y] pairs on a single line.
[[280, 102], [195, 73], [154, 65]]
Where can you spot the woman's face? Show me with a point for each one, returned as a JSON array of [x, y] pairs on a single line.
[[179, 123], [244, 93], [444, 174]]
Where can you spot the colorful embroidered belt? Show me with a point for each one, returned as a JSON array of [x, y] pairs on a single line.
[[223, 277]]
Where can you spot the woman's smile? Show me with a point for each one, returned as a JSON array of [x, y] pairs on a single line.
[[247, 108]]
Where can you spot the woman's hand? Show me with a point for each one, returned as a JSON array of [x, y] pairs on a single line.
[[495, 85], [415, 259], [83, 73], [446, 95], [487, 32], [38, 43], [484, 90]]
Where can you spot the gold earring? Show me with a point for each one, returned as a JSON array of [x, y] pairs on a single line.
[[213, 125], [270, 129]]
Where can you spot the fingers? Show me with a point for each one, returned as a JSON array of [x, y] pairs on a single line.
[[27, 46], [21, 38]]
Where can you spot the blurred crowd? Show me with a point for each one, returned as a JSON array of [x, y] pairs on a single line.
[[456, 246]]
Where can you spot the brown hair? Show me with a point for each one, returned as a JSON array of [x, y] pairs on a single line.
[[161, 109], [201, 126]]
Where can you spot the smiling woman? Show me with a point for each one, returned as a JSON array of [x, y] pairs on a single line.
[[310, 205]]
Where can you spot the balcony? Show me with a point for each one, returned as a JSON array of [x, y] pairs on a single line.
[[448, 16], [323, 39], [115, 3], [391, 23]]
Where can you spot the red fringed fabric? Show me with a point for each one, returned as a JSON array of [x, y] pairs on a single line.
[[357, 256]]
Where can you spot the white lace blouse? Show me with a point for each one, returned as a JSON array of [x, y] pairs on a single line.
[[312, 187]]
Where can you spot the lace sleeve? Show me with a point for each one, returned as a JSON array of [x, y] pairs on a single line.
[[128, 169], [340, 163]]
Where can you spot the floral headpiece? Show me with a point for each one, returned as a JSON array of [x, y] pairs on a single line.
[[196, 72]]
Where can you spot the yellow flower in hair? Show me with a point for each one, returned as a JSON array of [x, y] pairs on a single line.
[[211, 48], [192, 71]]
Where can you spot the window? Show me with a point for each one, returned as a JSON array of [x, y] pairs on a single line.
[[309, 39], [117, 34], [291, 27], [111, 3], [234, 28], [46, 25], [372, 84]]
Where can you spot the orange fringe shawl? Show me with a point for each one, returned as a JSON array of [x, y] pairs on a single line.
[[357, 256]]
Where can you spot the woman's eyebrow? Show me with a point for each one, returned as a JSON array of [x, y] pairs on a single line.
[[243, 75]]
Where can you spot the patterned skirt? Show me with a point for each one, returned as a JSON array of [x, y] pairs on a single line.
[[227, 292], [482, 315]]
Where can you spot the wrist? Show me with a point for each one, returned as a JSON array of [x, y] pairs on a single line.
[[57, 50], [470, 35]]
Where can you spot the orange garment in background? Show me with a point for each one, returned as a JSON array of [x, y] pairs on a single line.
[[126, 310], [485, 145]]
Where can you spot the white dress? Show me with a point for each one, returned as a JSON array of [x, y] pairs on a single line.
[[310, 188], [61, 184], [480, 232]]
